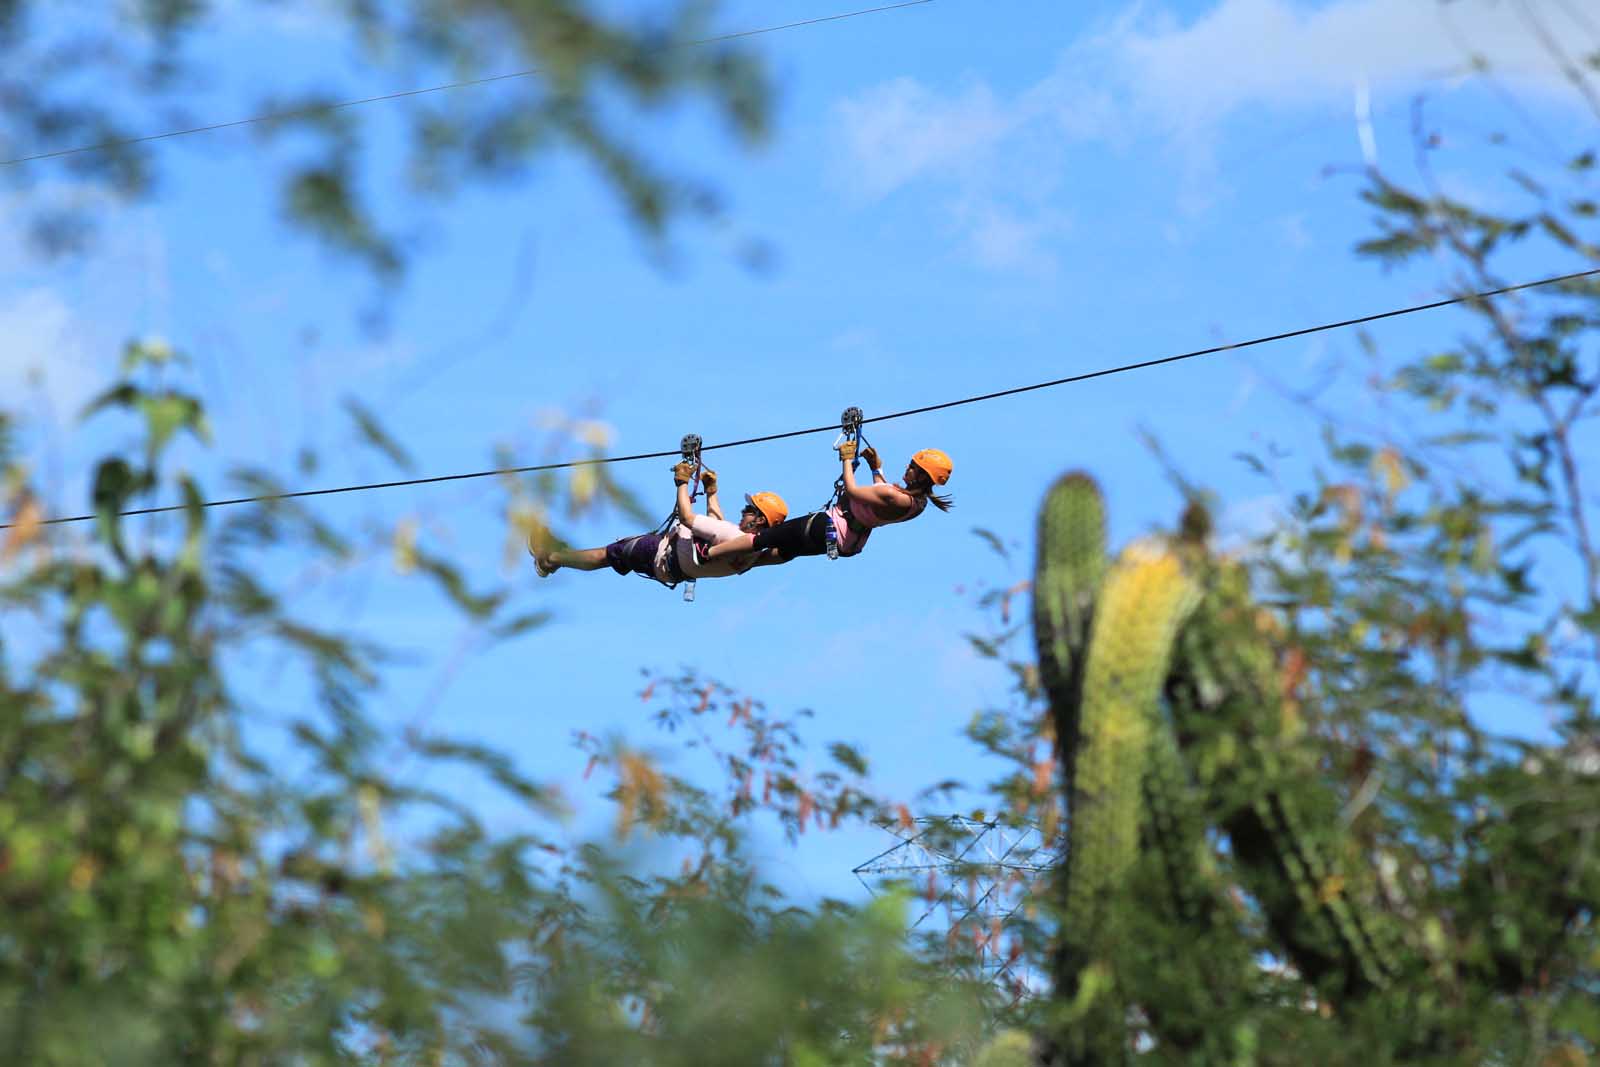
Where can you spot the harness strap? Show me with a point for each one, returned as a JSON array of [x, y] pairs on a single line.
[[690, 448], [674, 567], [849, 430]]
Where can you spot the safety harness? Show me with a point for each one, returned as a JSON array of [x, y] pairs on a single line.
[[690, 448], [849, 430]]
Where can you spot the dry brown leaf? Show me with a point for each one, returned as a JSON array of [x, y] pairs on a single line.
[[25, 527]]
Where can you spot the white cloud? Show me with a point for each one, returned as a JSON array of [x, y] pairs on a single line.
[[64, 324], [1001, 160], [340, 370], [857, 340], [902, 130], [970, 143], [1281, 54], [1294, 231], [47, 354], [1003, 237]]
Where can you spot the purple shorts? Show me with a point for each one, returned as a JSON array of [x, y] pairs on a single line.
[[634, 555]]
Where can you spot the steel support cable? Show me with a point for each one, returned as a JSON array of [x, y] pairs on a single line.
[[323, 109], [676, 453]]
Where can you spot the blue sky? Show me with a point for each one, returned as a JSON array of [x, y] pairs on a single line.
[[959, 197]]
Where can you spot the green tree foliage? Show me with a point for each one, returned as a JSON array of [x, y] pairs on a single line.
[[1357, 792], [724, 978], [173, 894], [214, 843], [197, 869], [1327, 796], [589, 77]]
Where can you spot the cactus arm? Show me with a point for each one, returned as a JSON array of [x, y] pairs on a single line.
[[1071, 565], [1195, 1002], [1225, 698], [1143, 600]]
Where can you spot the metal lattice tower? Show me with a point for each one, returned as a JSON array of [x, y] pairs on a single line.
[[977, 872]]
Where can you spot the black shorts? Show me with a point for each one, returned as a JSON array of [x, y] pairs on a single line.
[[803, 536], [637, 555], [634, 555]]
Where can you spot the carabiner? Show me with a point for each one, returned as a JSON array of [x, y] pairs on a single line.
[[849, 427], [689, 446]]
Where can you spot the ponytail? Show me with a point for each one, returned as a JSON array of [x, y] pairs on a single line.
[[938, 500]]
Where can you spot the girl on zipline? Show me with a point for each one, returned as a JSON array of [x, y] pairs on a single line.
[[854, 514], [670, 556]]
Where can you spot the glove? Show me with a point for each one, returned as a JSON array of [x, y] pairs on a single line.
[[683, 473], [870, 454], [847, 451], [708, 478]]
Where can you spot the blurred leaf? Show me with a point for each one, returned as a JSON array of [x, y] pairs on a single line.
[[848, 757], [450, 580], [520, 624], [25, 527], [994, 542], [373, 434]]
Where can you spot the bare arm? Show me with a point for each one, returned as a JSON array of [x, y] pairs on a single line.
[[880, 492], [708, 480], [768, 557], [744, 543], [875, 465], [685, 505]]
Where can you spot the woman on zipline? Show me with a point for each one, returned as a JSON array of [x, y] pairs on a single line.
[[858, 510], [670, 557]]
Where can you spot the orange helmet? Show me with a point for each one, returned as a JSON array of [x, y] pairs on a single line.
[[769, 504], [935, 464]]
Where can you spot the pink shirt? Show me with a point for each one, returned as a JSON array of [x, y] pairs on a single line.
[[867, 518], [708, 531]]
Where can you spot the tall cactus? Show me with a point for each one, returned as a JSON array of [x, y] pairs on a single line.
[[1103, 669], [1204, 843], [1143, 600], [1067, 578], [1165, 703]]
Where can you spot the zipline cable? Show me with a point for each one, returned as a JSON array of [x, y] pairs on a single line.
[[323, 109], [834, 427]]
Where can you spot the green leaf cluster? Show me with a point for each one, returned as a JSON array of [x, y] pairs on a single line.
[[584, 76]]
